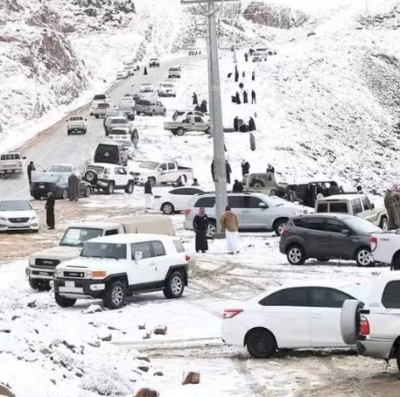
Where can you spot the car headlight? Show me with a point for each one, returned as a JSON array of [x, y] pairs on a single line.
[[31, 261], [58, 273], [3, 219]]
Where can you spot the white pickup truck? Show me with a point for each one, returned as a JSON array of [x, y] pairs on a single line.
[[11, 163], [385, 248], [76, 124], [163, 173], [188, 123]]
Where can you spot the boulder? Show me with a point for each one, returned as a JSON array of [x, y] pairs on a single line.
[[160, 330], [92, 309], [142, 326], [6, 391], [147, 335], [94, 344], [191, 378], [106, 338], [144, 368], [145, 392], [158, 373], [32, 304]]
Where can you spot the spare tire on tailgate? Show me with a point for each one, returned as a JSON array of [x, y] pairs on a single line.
[[90, 176], [350, 321]]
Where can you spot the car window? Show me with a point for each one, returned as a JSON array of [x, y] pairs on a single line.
[[287, 297], [253, 202], [158, 248], [322, 207], [315, 224], [206, 202], [327, 297], [107, 150], [338, 208], [163, 167], [335, 226], [198, 119], [144, 248], [236, 201], [185, 191], [300, 222], [356, 206], [104, 250], [366, 203], [171, 166], [111, 232], [391, 295]]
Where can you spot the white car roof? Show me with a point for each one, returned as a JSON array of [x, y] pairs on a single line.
[[63, 165], [106, 165], [131, 238], [342, 197]]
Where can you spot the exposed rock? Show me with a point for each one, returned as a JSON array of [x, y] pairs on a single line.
[[147, 335], [142, 326], [5, 330], [45, 351], [6, 391], [143, 358], [158, 373], [311, 34], [13, 318], [191, 378], [145, 392], [112, 328], [92, 309], [94, 344], [106, 338], [144, 368], [32, 304], [160, 330]]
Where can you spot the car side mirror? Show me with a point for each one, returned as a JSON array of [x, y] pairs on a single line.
[[372, 206], [138, 257], [23, 158], [346, 232], [262, 205]]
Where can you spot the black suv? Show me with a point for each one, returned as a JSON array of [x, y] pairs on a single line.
[[328, 236], [111, 153]]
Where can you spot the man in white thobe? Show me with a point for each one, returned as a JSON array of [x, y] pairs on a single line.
[[148, 194], [230, 224]]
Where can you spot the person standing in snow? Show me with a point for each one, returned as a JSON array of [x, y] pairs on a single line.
[[29, 170], [230, 225], [360, 190], [253, 97], [246, 56], [195, 182], [270, 169], [194, 97], [145, 71], [253, 75], [50, 217], [243, 74], [228, 170], [200, 226], [245, 167], [213, 170], [237, 187], [148, 194], [203, 106], [245, 98], [236, 124], [252, 142], [73, 187], [252, 124], [236, 74], [238, 99]]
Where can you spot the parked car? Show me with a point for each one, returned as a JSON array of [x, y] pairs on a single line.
[[126, 143], [100, 109], [150, 107], [127, 110], [259, 57], [143, 263], [188, 123], [167, 89], [122, 132], [176, 200], [385, 248], [60, 168], [312, 309], [76, 124], [265, 182], [161, 172], [154, 63], [108, 178], [194, 51], [354, 204], [100, 98], [374, 323], [174, 73], [122, 75], [58, 184], [328, 236], [182, 114], [147, 87], [110, 152], [256, 211], [17, 215], [11, 163], [115, 122], [42, 264]]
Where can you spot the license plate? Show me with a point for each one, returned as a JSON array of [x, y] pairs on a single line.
[[41, 186], [70, 284]]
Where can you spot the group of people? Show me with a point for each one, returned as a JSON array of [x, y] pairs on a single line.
[[240, 125], [392, 206], [202, 107]]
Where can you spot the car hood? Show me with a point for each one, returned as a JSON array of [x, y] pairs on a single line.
[[98, 264], [17, 214], [60, 252]]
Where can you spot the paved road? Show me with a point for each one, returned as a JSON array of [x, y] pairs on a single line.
[[54, 146]]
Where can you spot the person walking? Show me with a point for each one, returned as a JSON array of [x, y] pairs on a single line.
[[213, 170], [73, 187], [238, 98], [246, 56], [236, 124], [200, 226], [194, 97], [203, 106], [148, 194], [253, 75], [145, 71], [195, 182], [245, 167], [252, 124], [230, 225], [29, 169], [245, 97], [228, 170], [237, 187], [253, 97], [270, 169], [252, 142], [236, 74], [50, 217]]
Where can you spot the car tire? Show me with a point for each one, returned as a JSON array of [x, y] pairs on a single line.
[[91, 177], [39, 285], [257, 184], [180, 132], [64, 302], [37, 197], [153, 113], [167, 208], [383, 224], [153, 181], [295, 255], [88, 191], [115, 295], [64, 194], [164, 113], [138, 113], [212, 228], [97, 116], [361, 257], [110, 188], [278, 225], [174, 286], [130, 187], [350, 321], [69, 133], [260, 343]]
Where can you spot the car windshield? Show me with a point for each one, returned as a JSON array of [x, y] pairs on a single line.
[[150, 165], [99, 97], [60, 168], [76, 237], [15, 205], [119, 121], [362, 226], [274, 201], [49, 178], [104, 250], [147, 84], [76, 118], [167, 85]]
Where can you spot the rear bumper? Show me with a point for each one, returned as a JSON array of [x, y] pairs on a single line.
[[230, 334], [375, 348]]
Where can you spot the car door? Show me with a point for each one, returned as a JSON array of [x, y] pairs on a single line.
[[337, 244], [161, 260], [142, 272], [121, 177], [254, 213], [325, 311], [173, 173], [368, 213], [287, 315], [163, 173], [236, 202], [314, 235]]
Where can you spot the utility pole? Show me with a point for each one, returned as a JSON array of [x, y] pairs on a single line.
[[214, 91]]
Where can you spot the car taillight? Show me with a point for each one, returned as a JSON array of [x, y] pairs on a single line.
[[285, 230], [188, 211], [187, 257], [230, 313], [364, 326], [374, 243]]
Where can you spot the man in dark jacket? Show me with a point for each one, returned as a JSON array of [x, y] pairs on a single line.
[[271, 169], [253, 97], [237, 187], [245, 167], [194, 97], [203, 106], [236, 74], [236, 124], [145, 71], [213, 170], [238, 99], [245, 98], [148, 193], [246, 56], [228, 172], [73, 187], [30, 168], [252, 124], [50, 217], [252, 142], [253, 75]]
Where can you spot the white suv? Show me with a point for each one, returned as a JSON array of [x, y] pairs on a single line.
[[114, 267], [374, 325], [109, 177]]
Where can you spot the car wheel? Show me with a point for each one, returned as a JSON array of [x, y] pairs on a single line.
[[350, 321], [180, 132], [64, 302], [384, 224], [212, 228], [88, 191], [115, 295], [260, 343], [257, 184], [174, 286], [110, 188], [129, 188], [364, 257], [153, 113], [39, 285], [164, 113], [295, 255], [279, 224], [153, 181], [37, 197], [167, 208], [138, 113], [65, 194], [97, 116], [90, 176]]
